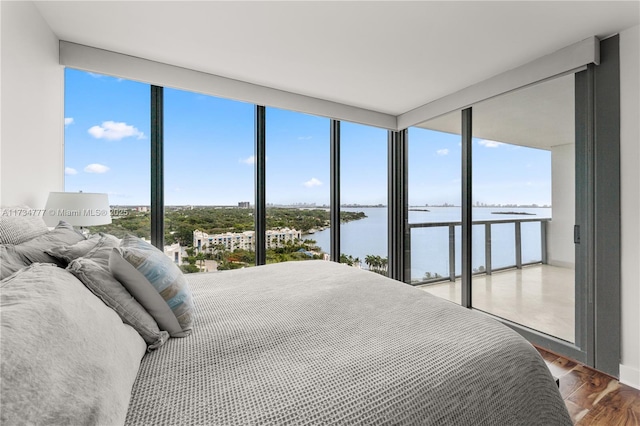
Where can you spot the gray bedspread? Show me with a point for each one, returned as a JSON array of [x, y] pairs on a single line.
[[317, 342]]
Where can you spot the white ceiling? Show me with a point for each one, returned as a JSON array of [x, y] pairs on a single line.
[[389, 57]]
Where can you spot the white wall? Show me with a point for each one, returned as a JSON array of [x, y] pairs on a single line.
[[630, 195], [32, 117], [560, 246]]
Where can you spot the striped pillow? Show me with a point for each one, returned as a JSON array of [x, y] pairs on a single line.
[[155, 282]]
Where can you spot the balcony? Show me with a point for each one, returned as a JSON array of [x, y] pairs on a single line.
[[531, 293], [537, 296]]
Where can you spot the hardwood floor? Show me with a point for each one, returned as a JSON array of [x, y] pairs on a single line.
[[592, 397]]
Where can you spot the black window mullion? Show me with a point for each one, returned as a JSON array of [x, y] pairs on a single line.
[[467, 134], [335, 190], [260, 214], [398, 208], [157, 167]]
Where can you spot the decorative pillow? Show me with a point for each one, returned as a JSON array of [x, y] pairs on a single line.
[[156, 282], [100, 281], [65, 357], [19, 224], [82, 248], [33, 251]]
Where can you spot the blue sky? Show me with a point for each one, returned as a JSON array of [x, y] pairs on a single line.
[[209, 153]]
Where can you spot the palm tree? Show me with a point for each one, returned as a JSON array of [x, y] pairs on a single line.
[[219, 250], [369, 260], [377, 263], [201, 257], [383, 263]]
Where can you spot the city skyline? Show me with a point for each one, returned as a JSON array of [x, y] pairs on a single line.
[[209, 153]]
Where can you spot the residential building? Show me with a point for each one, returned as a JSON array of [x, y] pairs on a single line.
[[175, 252], [243, 240], [230, 241]]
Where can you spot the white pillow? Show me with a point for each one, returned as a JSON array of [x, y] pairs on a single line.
[[66, 358]]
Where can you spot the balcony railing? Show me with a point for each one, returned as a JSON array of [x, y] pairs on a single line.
[[488, 267]]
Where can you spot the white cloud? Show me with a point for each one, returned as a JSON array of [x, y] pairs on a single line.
[[305, 138], [68, 120], [251, 160], [490, 144], [442, 151], [70, 171], [96, 168], [113, 131], [312, 182]]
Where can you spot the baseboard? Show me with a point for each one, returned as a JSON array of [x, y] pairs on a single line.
[[630, 376]]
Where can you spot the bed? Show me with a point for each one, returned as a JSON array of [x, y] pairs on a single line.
[[318, 342], [106, 331]]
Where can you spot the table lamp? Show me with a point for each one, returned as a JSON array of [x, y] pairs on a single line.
[[77, 209]]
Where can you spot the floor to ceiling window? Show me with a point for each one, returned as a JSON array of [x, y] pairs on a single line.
[[297, 185], [434, 205], [107, 146], [363, 195], [208, 181]]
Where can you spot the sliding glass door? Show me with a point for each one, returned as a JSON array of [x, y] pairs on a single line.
[[523, 197], [521, 177]]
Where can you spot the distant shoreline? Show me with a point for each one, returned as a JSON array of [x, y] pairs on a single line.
[[322, 207], [520, 213]]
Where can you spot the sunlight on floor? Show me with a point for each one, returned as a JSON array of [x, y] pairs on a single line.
[[539, 296]]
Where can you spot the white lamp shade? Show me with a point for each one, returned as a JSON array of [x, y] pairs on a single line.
[[77, 209]]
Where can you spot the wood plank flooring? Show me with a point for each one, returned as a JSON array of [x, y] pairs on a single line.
[[592, 397]]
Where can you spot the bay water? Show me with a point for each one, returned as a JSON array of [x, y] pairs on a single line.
[[430, 246]]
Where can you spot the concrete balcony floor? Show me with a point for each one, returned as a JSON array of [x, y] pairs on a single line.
[[540, 297]]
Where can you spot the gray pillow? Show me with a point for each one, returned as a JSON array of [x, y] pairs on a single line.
[[19, 224], [100, 281], [34, 250], [10, 261], [82, 248], [65, 357], [100, 253], [156, 282]]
